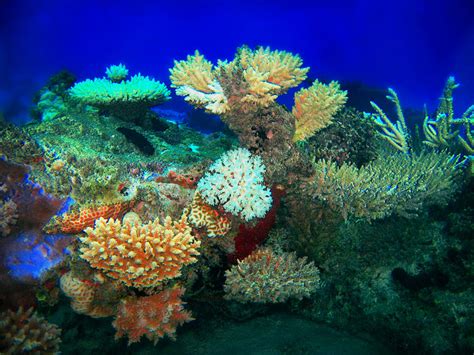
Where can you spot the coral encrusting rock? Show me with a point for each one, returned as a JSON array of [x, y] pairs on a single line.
[[24, 332], [153, 316]]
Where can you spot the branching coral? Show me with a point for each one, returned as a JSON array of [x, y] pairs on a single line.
[[396, 134], [153, 316], [137, 254], [24, 332], [117, 73], [235, 182], [315, 107], [8, 211], [397, 183], [266, 277], [123, 98]]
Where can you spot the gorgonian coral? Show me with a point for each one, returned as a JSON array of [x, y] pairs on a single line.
[[267, 277], [24, 332], [153, 316], [235, 182], [315, 107], [397, 183], [138, 254]]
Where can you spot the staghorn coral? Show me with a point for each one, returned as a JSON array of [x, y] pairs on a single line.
[[137, 254], [117, 73], [76, 221], [235, 182], [315, 108], [398, 183], [24, 332], [153, 316], [201, 215], [127, 99], [266, 277], [396, 134]]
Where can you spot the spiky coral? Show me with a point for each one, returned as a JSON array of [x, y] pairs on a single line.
[[137, 254], [397, 183], [153, 316], [264, 75], [24, 332], [201, 215], [315, 107], [266, 277], [235, 182], [117, 73], [76, 221]]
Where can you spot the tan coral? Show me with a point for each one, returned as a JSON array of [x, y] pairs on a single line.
[[270, 73], [315, 107], [140, 255], [195, 72], [201, 215]]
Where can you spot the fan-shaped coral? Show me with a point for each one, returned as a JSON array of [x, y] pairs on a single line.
[[153, 316], [24, 332], [266, 277], [235, 182], [137, 254]]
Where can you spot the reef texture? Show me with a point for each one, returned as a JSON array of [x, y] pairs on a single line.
[[24, 332], [154, 316]]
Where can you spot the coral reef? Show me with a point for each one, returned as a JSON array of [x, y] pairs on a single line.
[[137, 254], [315, 107], [266, 277], [154, 316], [127, 99], [24, 332], [235, 182]]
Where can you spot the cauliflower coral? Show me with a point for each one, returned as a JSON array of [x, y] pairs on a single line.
[[235, 182]]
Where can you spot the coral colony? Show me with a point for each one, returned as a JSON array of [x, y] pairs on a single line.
[[144, 214]]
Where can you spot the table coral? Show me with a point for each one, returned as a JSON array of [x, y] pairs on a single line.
[[137, 254], [24, 332], [153, 316], [266, 277]]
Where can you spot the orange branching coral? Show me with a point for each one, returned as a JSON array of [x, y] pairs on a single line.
[[83, 294], [23, 332], [137, 254], [201, 215], [75, 222], [153, 316], [315, 107], [270, 73]]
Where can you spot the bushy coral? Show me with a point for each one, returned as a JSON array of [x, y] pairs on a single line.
[[140, 254], [267, 277], [235, 182], [397, 183], [117, 73], [24, 332], [8, 211], [315, 107], [154, 316]]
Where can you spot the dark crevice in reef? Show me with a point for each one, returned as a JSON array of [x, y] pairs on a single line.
[[434, 278], [137, 139]]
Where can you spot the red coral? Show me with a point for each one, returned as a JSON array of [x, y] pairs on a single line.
[[250, 237], [153, 316], [187, 181]]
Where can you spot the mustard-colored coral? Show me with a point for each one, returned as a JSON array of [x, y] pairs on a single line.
[[137, 254], [315, 107]]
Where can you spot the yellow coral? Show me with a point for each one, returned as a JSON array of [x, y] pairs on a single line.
[[270, 73], [193, 78], [140, 255], [315, 107]]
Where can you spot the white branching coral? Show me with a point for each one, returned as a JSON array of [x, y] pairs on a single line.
[[235, 182]]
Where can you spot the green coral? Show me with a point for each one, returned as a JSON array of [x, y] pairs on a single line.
[[117, 73]]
